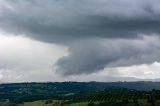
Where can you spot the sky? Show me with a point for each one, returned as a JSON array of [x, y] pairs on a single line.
[[79, 40]]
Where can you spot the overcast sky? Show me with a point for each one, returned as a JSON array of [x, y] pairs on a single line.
[[79, 40]]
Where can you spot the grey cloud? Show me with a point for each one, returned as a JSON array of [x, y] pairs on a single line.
[[82, 24], [94, 55], [65, 21]]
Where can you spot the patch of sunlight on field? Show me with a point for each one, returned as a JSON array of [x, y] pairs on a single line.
[[82, 104], [79, 104], [42, 103], [36, 103]]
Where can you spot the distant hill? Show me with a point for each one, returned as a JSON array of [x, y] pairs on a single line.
[[20, 92], [80, 86]]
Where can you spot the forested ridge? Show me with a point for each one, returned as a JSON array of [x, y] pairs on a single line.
[[89, 93]]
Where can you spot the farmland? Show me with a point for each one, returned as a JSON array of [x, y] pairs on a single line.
[[80, 94]]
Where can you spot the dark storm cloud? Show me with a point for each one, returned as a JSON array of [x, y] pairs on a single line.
[[81, 24], [61, 21], [95, 55]]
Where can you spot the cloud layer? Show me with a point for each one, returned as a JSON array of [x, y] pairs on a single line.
[[98, 33], [64, 21], [94, 55]]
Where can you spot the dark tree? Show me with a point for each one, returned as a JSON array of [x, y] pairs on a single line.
[[91, 104]]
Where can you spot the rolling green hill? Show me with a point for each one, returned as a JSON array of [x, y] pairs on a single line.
[[80, 93]]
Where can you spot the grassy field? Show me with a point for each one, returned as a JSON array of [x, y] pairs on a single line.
[[54, 103], [36, 103], [42, 103], [141, 102]]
